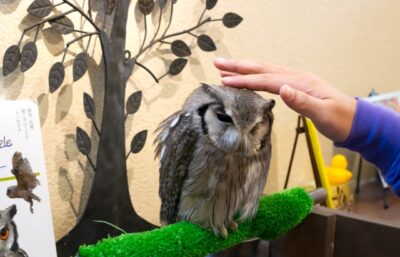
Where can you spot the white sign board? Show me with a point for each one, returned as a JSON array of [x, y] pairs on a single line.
[[20, 132]]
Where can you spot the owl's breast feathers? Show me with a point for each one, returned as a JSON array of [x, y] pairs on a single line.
[[220, 185]]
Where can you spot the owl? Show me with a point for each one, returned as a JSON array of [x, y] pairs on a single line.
[[214, 158], [26, 180], [8, 234]]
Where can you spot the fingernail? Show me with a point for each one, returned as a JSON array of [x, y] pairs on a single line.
[[219, 59], [227, 80], [287, 91]]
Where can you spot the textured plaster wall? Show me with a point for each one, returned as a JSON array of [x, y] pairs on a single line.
[[353, 44]]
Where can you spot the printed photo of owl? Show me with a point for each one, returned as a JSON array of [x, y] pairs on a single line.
[[26, 180], [9, 235], [214, 158]]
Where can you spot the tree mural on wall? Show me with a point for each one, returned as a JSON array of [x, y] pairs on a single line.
[[109, 198]]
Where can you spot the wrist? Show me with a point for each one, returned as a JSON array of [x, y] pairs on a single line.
[[345, 111]]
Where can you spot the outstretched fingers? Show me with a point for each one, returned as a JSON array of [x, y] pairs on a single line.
[[259, 82], [223, 73], [245, 66], [301, 102]]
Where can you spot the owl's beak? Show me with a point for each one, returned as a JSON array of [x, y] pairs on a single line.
[[230, 140]]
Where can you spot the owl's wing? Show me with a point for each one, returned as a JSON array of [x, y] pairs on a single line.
[[22, 253], [26, 179], [175, 146], [26, 167]]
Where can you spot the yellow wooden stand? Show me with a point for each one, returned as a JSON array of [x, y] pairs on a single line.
[[335, 178]]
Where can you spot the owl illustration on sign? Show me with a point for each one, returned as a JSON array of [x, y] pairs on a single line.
[[9, 235], [214, 158], [26, 180]]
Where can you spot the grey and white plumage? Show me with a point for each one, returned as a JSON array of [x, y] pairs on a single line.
[[214, 157], [9, 235], [26, 180]]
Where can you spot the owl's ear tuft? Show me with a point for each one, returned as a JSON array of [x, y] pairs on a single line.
[[269, 104], [11, 211], [206, 88], [209, 90]]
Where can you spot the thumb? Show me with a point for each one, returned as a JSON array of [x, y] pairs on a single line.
[[301, 102]]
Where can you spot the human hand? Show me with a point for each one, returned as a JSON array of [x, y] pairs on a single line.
[[331, 110]]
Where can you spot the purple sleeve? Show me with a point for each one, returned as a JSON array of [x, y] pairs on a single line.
[[376, 136]]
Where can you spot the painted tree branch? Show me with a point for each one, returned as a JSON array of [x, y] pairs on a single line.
[[52, 18], [171, 35], [158, 25], [148, 71], [75, 40], [170, 19], [82, 13]]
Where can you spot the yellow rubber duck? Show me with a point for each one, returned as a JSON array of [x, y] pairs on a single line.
[[337, 173]]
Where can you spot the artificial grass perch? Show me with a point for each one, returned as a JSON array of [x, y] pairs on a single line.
[[277, 214]]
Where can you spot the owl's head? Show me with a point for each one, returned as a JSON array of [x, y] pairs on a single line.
[[235, 120], [8, 233]]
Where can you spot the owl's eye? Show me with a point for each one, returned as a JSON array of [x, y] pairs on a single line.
[[224, 118], [4, 233]]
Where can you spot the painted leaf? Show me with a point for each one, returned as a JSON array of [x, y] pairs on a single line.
[[89, 106], [133, 102], [80, 65], [146, 6], [11, 59], [138, 141], [40, 8], [56, 76], [231, 20], [62, 25], [206, 43], [83, 141], [177, 66], [162, 3], [210, 4], [28, 56], [180, 49]]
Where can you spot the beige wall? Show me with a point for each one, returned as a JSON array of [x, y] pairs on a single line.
[[354, 44]]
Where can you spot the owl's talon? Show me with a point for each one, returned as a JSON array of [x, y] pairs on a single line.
[[233, 225], [223, 232]]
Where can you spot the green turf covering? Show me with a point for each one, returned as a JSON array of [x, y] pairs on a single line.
[[277, 214]]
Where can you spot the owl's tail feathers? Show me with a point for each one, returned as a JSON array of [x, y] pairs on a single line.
[[34, 197]]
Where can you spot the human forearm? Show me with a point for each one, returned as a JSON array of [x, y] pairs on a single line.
[[375, 135]]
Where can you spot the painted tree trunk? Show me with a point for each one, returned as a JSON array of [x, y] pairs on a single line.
[[109, 199]]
